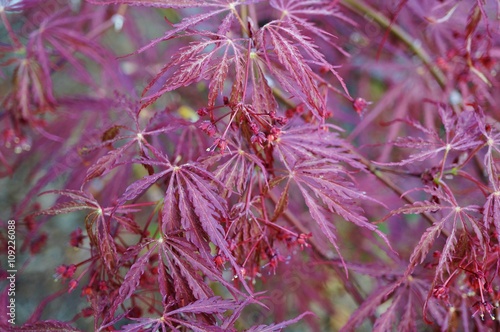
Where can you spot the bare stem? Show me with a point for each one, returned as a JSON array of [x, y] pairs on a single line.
[[9, 29], [391, 185], [362, 8]]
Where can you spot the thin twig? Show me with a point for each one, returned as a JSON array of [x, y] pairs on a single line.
[[365, 10]]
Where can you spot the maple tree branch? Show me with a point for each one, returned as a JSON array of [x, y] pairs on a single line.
[[414, 45], [391, 185]]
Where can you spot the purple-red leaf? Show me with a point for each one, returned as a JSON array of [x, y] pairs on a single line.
[[157, 3], [279, 326], [131, 280], [138, 187], [208, 306]]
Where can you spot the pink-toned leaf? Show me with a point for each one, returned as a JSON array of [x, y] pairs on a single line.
[[368, 307], [197, 326], [279, 326], [208, 306], [104, 164], [282, 203], [66, 207], [425, 243], [305, 142], [214, 8], [235, 171], [193, 63], [387, 320], [77, 195], [188, 283], [263, 99], [138, 187], [157, 3], [447, 251], [186, 250], [153, 324], [106, 244], [131, 280], [491, 212], [461, 134]]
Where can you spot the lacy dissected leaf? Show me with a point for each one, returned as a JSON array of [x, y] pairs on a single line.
[[461, 134], [100, 237], [107, 162], [492, 137], [58, 32], [197, 326], [235, 172], [188, 186], [279, 326], [326, 190], [187, 283], [308, 142], [139, 186], [160, 3], [387, 320], [208, 306], [368, 307], [66, 207], [454, 218], [170, 216], [295, 74], [31, 89], [207, 59], [212, 8], [327, 182], [96, 223], [199, 203], [425, 243], [184, 261], [208, 206], [263, 100], [294, 70], [147, 324], [77, 196], [165, 284], [491, 212], [132, 278], [131, 136], [403, 297], [298, 11]]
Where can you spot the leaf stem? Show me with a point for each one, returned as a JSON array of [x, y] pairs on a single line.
[[391, 185], [241, 20], [363, 9], [10, 31]]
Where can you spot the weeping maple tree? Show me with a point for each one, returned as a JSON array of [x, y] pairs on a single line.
[[252, 165]]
